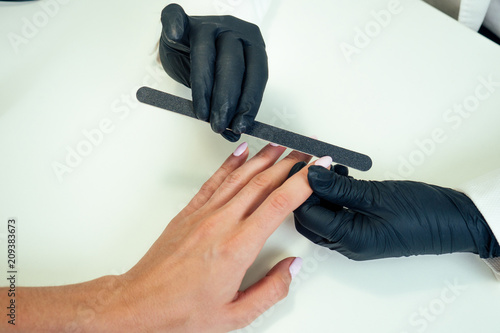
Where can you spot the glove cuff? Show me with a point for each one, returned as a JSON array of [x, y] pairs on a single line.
[[486, 242], [494, 264]]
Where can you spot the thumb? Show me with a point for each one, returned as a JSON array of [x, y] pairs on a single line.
[[296, 168], [341, 190], [264, 294], [175, 31]]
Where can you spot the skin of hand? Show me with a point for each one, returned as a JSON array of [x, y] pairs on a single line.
[[223, 60], [370, 220], [189, 280]]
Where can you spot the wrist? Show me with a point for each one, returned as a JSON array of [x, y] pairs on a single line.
[[91, 306], [140, 299], [485, 241], [105, 307], [487, 244]]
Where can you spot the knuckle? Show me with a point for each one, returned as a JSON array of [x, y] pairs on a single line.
[[253, 29], [207, 189], [226, 169], [280, 201], [229, 250], [278, 289], [207, 228], [234, 180], [262, 180]]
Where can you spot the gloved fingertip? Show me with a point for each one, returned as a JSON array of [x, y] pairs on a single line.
[[242, 123], [296, 168], [200, 105], [240, 128], [341, 170], [175, 21], [318, 172], [172, 11], [230, 136], [172, 7], [218, 126], [320, 178]]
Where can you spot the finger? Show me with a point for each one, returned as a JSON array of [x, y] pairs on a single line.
[[256, 75], [175, 28], [341, 170], [262, 185], [259, 297], [281, 202], [317, 220], [175, 64], [202, 69], [232, 163], [316, 239], [296, 168], [235, 181], [313, 237], [340, 190], [174, 44], [335, 228], [230, 136], [352, 234], [229, 71]]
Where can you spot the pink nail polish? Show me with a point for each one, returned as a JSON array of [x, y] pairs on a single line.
[[241, 148], [295, 267], [274, 144], [325, 162]]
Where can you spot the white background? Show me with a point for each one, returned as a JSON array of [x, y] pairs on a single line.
[[68, 67]]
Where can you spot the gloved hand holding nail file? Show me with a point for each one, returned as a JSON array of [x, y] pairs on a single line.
[[264, 131], [223, 60]]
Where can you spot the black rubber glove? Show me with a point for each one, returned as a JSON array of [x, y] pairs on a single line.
[[223, 59], [369, 220]]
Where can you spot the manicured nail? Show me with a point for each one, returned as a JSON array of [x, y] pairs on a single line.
[[274, 144], [241, 148], [325, 162], [295, 267]]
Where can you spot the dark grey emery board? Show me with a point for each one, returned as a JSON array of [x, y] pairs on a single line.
[[264, 131]]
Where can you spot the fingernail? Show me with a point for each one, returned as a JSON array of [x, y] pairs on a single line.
[[241, 148], [274, 144], [295, 267], [325, 162]]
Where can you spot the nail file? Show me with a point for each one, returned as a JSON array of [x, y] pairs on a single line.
[[263, 131]]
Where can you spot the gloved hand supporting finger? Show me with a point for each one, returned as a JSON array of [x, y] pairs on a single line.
[[341, 190]]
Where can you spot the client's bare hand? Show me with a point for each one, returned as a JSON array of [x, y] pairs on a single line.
[[189, 280]]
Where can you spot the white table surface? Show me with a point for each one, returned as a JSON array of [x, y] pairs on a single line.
[[80, 67]]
